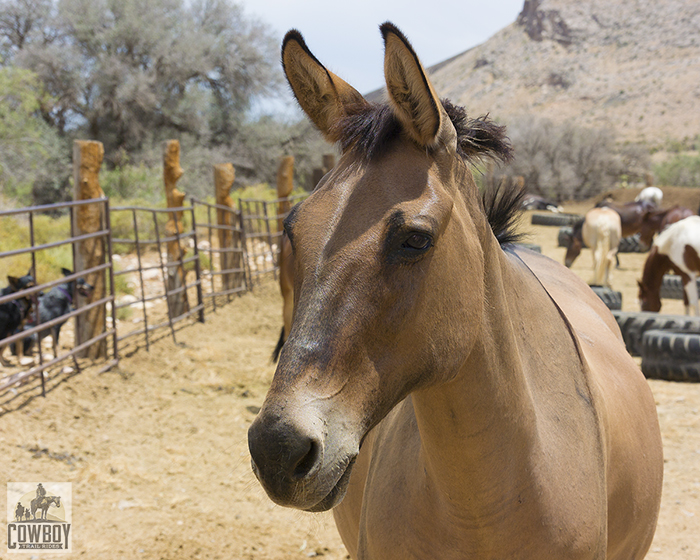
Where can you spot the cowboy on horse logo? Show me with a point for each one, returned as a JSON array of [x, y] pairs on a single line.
[[40, 517]]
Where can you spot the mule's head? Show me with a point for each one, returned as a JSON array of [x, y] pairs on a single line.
[[384, 251]]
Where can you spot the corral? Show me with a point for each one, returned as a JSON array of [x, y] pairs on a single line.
[[156, 449]]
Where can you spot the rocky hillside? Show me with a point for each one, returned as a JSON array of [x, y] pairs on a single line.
[[633, 65]]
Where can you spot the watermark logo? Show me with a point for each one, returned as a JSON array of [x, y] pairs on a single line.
[[39, 517]]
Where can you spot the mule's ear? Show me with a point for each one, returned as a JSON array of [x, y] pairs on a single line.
[[412, 95], [66, 272], [13, 281], [323, 96]]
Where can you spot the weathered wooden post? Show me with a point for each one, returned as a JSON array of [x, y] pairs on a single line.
[[89, 253], [224, 175], [177, 302]]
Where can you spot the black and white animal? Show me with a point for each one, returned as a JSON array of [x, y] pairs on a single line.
[[56, 302], [14, 313]]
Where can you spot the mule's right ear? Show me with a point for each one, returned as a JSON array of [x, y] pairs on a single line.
[[66, 272], [323, 96], [13, 281]]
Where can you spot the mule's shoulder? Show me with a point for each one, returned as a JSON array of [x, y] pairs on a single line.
[[582, 307]]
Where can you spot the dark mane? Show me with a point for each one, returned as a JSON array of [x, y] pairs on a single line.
[[368, 130], [502, 206]]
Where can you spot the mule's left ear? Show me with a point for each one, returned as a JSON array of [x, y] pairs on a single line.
[[412, 95], [323, 96]]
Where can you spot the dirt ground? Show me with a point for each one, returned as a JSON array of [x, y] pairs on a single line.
[[156, 448]]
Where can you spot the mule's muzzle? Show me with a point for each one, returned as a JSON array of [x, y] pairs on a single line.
[[289, 458], [283, 455]]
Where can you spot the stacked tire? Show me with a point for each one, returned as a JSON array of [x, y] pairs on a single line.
[[555, 219], [611, 298], [668, 344], [627, 244]]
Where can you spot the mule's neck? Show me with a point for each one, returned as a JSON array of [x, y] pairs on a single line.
[[481, 430]]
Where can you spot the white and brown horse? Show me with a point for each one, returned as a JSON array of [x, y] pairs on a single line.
[[448, 394], [601, 230], [675, 249]]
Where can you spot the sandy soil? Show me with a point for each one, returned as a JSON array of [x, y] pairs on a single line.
[[157, 454]]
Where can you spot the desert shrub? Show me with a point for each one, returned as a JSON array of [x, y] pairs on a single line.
[[131, 181], [681, 170], [14, 232], [563, 161]]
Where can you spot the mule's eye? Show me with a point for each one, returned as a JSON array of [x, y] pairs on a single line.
[[418, 241]]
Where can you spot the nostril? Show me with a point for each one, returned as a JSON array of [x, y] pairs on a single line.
[[307, 459]]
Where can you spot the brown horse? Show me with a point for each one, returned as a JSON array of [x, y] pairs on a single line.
[[676, 249], [448, 394], [658, 220], [631, 214]]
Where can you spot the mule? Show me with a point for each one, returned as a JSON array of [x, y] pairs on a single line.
[[600, 230], [448, 394], [658, 220], [675, 249], [632, 214]]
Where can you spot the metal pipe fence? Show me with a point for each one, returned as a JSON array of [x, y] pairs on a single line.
[[225, 253], [32, 293], [261, 220]]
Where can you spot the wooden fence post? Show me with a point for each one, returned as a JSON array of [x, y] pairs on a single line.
[[89, 253], [224, 175], [177, 303]]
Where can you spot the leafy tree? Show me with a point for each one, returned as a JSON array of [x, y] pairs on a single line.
[[128, 72], [28, 146]]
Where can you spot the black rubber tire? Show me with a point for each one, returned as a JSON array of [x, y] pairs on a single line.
[[611, 298], [531, 246], [673, 355], [633, 325], [555, 219], [672, 287], [630, 245]]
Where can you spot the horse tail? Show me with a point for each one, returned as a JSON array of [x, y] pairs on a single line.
[[602, 253], [278, 348]]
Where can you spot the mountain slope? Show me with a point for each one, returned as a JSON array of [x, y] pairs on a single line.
[[630, 65]]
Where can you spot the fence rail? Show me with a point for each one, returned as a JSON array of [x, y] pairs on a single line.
[[224, 254], [31, 294]]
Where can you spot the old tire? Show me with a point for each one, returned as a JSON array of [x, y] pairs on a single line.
[[611, 298], [672, 287], [673, 355], [633, 325], [555, 219], [630, 245]]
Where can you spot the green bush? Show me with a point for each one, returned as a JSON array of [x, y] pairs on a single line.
[[682, 170], [14, 232]]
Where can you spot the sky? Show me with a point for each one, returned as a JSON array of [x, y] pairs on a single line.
[[345, 36]]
